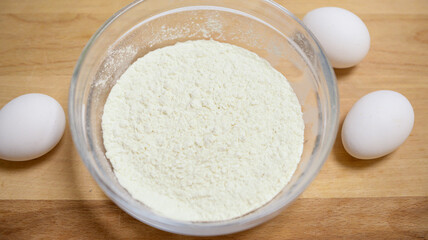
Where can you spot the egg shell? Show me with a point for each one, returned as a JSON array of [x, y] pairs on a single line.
[[377, 124], [30, 126], [342, 34]]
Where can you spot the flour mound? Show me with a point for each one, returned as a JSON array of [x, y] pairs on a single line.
[[203, 131]]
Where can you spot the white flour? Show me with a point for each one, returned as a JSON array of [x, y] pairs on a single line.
[[203, 131]]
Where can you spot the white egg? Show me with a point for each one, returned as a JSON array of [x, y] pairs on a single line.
[[342, 34], [377, 124], [30, 126]]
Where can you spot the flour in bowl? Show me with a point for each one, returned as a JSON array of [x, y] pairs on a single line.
[[203, 131]]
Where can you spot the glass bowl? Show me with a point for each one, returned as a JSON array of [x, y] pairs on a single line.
[[261, 26]]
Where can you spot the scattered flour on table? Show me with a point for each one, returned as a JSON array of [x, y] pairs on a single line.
[[203, 131]]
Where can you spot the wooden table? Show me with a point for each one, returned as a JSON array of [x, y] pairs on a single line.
[[55, 196]]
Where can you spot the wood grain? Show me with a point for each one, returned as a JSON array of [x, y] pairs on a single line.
[[55, 196], [358, 218]]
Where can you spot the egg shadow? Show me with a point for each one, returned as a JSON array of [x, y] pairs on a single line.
[[343, 73], [349, 161], [22, 165]]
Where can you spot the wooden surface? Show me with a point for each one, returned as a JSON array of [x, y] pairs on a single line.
[[55, 196]]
